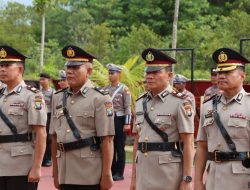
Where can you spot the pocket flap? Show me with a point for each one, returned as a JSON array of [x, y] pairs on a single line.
[[85, 114], [163, 120], [237, 122], [59, 113], [208, 121], [168, 158], [21, 150], [88, 153], [238, 168], [15, 112]]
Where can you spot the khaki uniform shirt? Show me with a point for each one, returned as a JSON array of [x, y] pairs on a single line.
[[23, 108], [191, 96], [235, 117], [48, 97], [92, 114], [211, 91], [159, 170], [121, 100]]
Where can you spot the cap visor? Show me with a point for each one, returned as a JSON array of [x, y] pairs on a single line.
[[222, 69], [73, 63], [153, 69]]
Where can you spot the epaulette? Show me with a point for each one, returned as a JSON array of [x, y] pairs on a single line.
[[32, 89], [141, 96], [178, 94], [100, 90], [61, 90], [210, 98]]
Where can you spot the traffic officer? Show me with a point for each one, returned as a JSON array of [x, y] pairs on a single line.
[[223, 150], [47, 93], [164, 122], [82, 128], [22, 113], [63, 83], [121, 98], [179, 83], [212, 90]]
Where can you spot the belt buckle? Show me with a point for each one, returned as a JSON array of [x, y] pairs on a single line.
[[144, 147], [61, 147], [215, 156]]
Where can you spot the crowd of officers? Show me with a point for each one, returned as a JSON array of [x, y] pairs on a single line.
[[86, 126]]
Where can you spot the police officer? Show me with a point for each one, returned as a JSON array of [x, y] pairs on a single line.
[[164, 122], [63, 83], [179, 83], [223, 150], [121, 99], [47, 93], [212, 90], [82, 128], [22, 112]]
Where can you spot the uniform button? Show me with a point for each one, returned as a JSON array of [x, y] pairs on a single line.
[[85, 114], [152, 108], [70, 116], [145, 154], [4, 99], [146, 138], [219, 144], [61, 111], [72, 101], [157, 120], [169, 159], [68, 130], [21, 151]]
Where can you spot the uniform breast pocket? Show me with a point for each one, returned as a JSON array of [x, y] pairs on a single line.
[[238, 128], [85, 118], [209, 127], [88, 153], [238, 168], [17, 116], [163, 122], [138, 123], [21, 150]]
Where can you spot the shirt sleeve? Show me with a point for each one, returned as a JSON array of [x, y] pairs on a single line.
[[127, 101], [201, 136], [185, 116], [52, 120], [37, 113], [104, 116]]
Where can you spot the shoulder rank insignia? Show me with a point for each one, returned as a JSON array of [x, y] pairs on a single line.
[[61, 90], [101, 91], [210, 98], [32, 89], [141, 96], [178, 95]]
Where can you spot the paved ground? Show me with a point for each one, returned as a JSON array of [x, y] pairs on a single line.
[[46, 182]]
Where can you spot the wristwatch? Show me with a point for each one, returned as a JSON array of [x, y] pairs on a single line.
[[187, 179]]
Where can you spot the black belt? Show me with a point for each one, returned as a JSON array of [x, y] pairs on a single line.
[[93, 142], [218, 156], [16, 138], [164, 146]]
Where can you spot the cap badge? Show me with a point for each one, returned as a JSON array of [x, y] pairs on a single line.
[[3, 53], [70, 52], [150, 56], [222, 57]]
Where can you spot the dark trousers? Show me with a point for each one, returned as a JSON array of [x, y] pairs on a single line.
[[47, 155], [79, 187], [16, 183], [118, 163]]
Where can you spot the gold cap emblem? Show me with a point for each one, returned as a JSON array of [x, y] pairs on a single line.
[[70, 52], [3, 53], [222, 57], [150, 56]]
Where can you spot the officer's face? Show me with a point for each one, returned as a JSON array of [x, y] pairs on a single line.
[[180, 86], [113, 76], [158, 80], [77, 75], [63, 83], [10, 72], [230, 80], [44, 82], [214, 78]]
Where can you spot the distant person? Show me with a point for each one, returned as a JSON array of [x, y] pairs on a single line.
[[47, 93], [179, 83], [23, 113], [63, 83], [121, 98], [212, 90]]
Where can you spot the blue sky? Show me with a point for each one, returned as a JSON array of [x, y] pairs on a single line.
[[26, 2]]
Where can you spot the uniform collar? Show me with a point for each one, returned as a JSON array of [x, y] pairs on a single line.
[[238, 97], [163, 94], [17, 89], [84, 89]]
